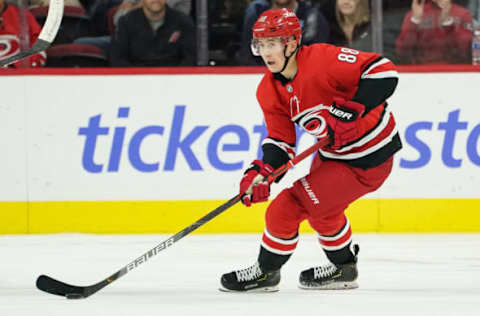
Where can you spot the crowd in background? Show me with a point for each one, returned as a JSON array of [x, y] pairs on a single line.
[[142, 33]]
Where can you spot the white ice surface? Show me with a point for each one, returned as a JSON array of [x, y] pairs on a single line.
[[399, 275]]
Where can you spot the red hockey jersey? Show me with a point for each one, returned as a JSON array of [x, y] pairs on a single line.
[[324, 72], [431, 42], [10, 33]]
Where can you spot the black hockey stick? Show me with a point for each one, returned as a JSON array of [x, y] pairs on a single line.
[[52, 286], [46, 37]]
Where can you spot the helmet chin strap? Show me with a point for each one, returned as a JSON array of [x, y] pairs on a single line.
[[287, 58]]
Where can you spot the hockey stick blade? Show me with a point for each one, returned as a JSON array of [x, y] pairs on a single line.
[[53, 286], [46, 37], [56, 287]]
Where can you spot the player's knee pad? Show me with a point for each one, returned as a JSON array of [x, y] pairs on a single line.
[[283, 215], [328, 225]]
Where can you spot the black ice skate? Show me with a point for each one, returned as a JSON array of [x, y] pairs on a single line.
[[331, 276], [251, 279]]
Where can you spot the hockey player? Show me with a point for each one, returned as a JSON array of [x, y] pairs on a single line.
[[332, 92], [10, 35]]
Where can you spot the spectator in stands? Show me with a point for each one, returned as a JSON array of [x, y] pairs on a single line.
[[103, 41], [349, 22], [121, 8], [154, 35], [314, 26], [435, 31], [474, 6], [10, 36], [394, 12], [183, 6]]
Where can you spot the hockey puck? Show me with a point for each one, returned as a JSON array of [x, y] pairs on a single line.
[[73, 296]]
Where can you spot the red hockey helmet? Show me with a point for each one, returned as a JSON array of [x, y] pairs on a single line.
[[278, 23]]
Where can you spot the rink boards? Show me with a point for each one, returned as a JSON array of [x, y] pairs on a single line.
[[155, 152]]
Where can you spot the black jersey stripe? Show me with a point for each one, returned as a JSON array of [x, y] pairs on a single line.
[[374, 159]]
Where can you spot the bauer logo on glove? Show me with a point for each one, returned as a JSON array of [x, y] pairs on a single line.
[[343, 114], [343, 122]]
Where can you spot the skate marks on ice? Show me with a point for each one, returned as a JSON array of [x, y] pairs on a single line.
[[398, 274]]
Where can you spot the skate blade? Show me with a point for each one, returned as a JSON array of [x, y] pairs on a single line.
[[267, 289], [331, 286]]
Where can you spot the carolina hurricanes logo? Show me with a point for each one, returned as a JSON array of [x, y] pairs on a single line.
[[9, 45], [313, 121], [174, 37]]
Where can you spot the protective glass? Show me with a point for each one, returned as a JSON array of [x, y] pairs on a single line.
[[262, 46]]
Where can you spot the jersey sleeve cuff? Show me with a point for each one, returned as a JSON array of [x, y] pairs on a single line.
[[277, 153]]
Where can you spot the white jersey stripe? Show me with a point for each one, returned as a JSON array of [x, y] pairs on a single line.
[[381, 75], [366, 152], [382, 61], [337, 236], [281, 241], [333, 248], [278, 252], [284, 146], [374, 133]]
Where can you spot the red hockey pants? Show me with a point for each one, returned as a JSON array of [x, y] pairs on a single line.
[[321, 197]]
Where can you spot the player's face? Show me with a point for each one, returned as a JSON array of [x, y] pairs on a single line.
[[154, 6], [272, 50], [347, 7]]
